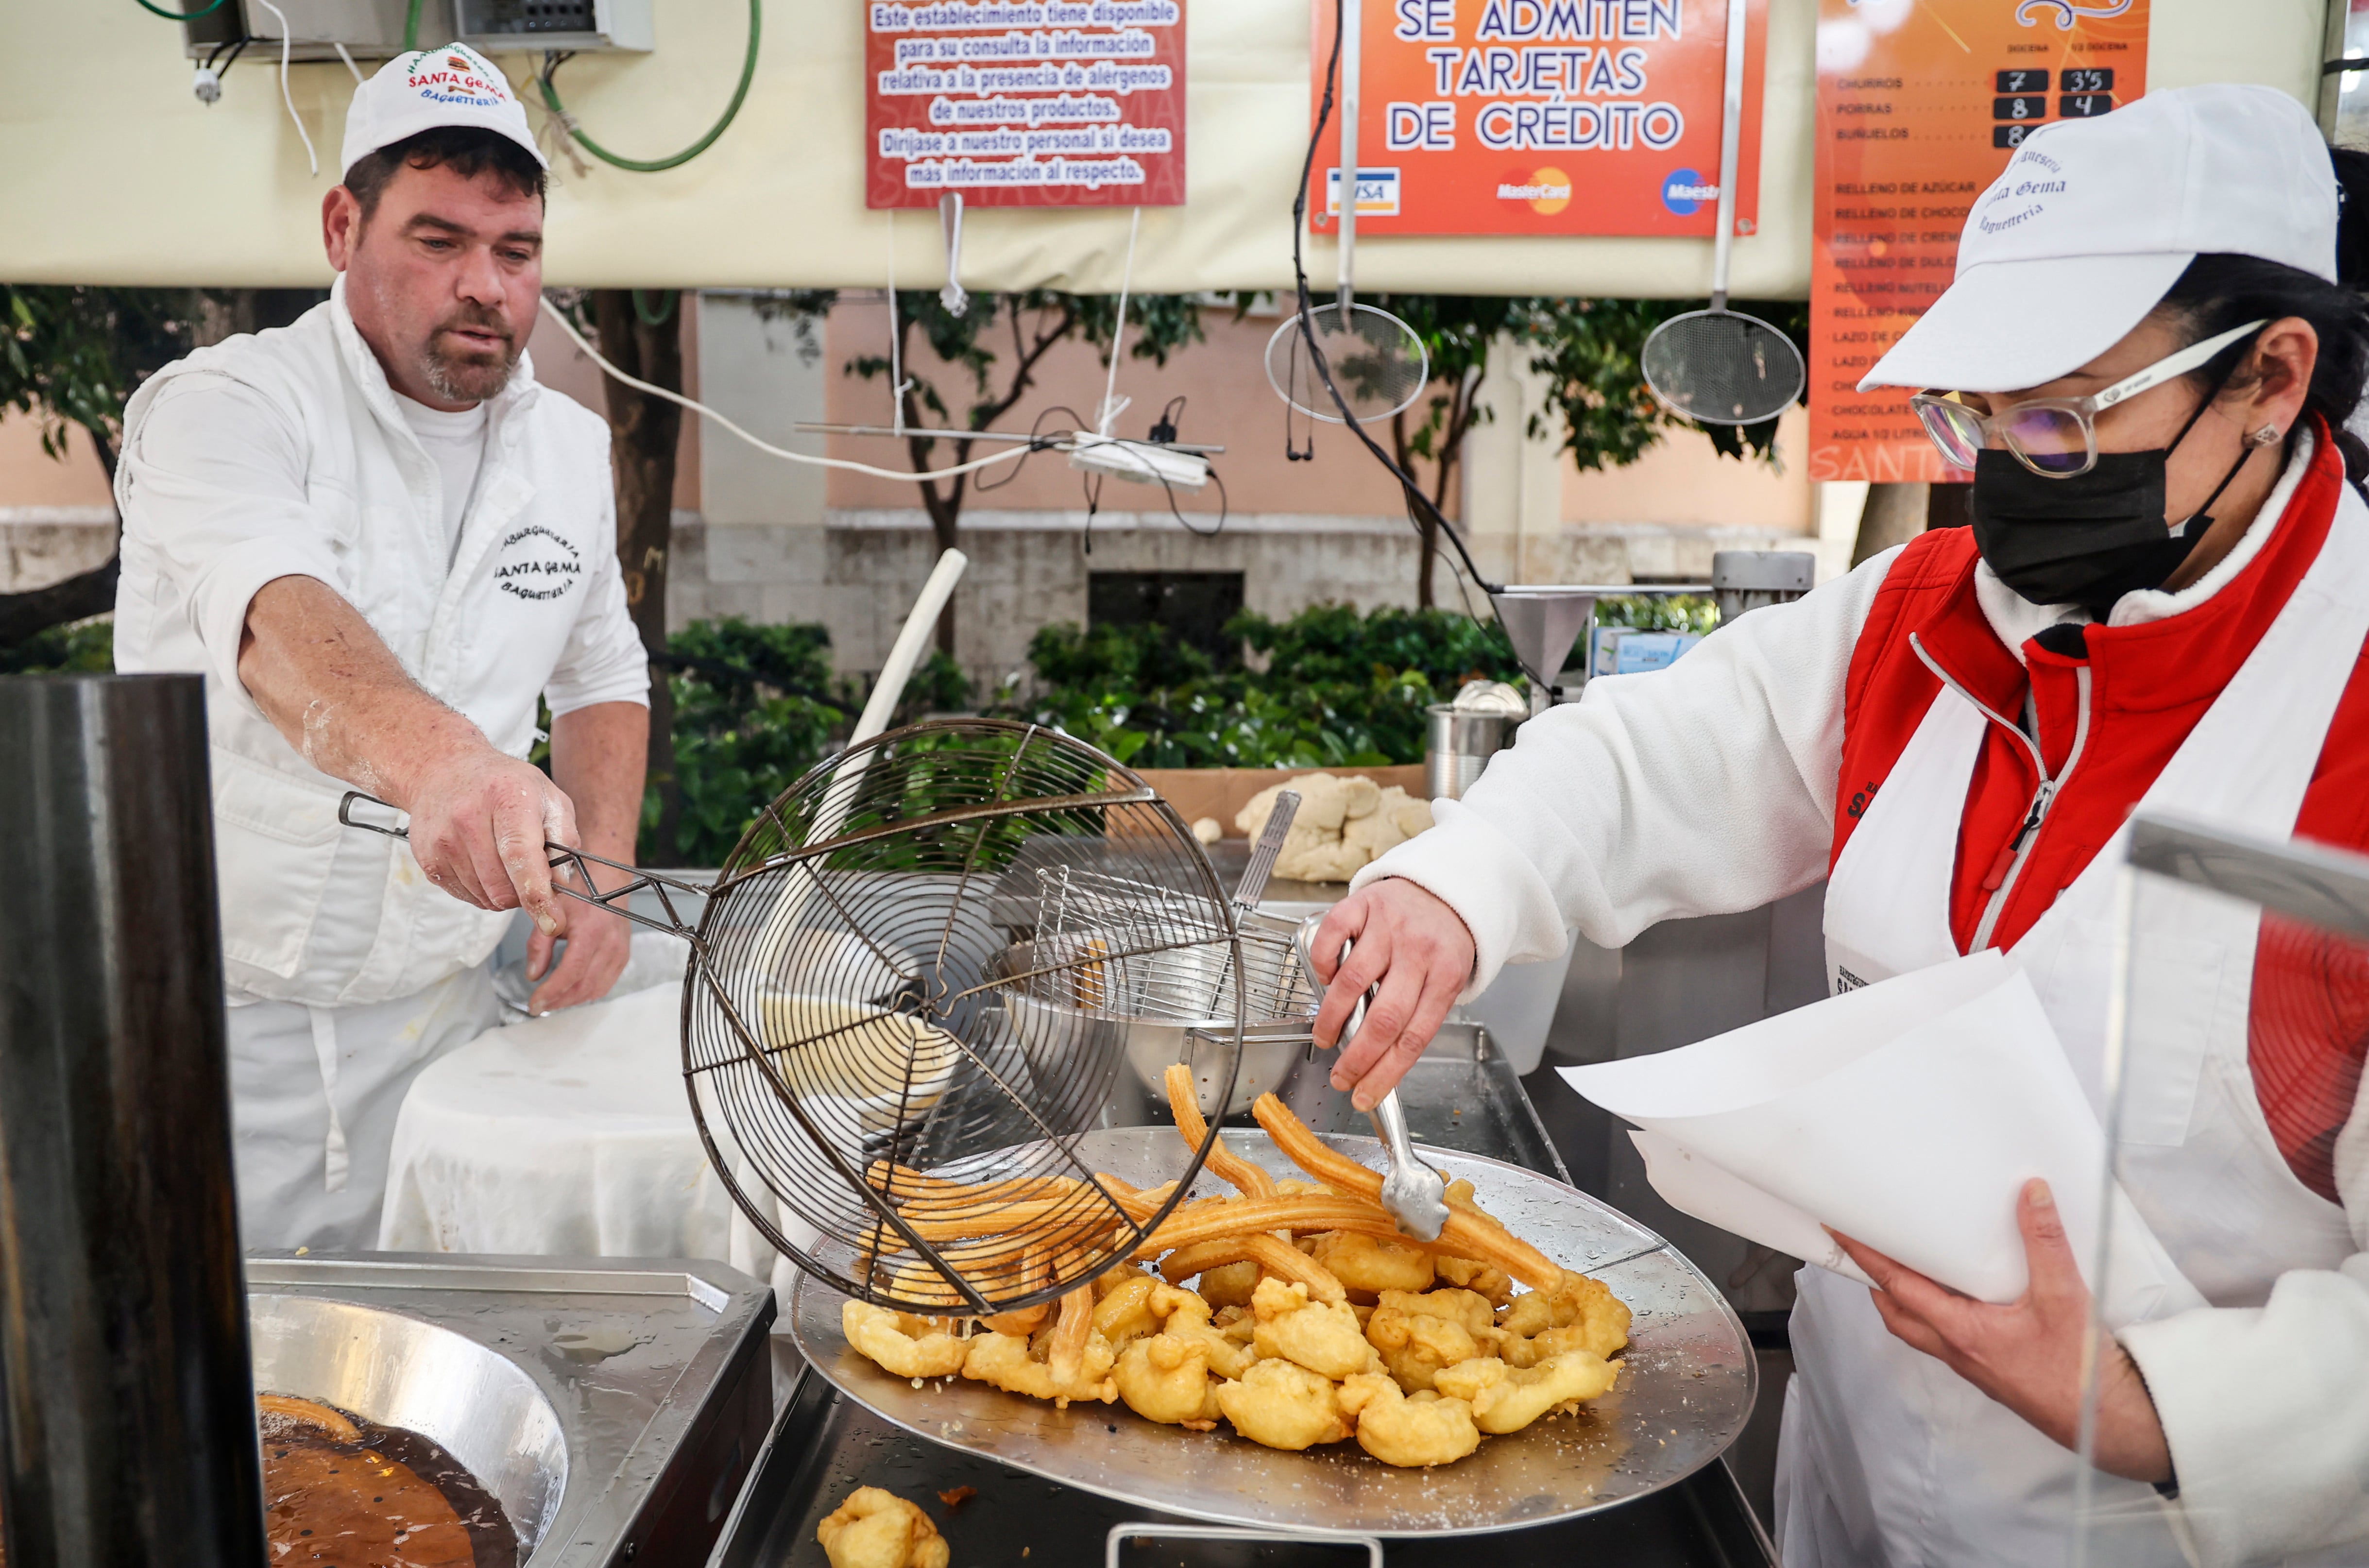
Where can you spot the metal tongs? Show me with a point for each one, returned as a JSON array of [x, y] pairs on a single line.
[[1413, 1192]]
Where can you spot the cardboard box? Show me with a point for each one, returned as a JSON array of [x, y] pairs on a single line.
[[1222, 792]]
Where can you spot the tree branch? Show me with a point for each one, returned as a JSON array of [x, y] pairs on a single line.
[[24, 616]]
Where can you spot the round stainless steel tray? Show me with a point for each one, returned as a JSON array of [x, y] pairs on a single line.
[[1687, 1386]]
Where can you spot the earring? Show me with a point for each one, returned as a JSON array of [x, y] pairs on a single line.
[[2264, 436]]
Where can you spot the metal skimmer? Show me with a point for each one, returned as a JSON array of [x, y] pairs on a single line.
[[846, 1031]]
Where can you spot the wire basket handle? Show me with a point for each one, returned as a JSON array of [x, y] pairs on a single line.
[[580, 862]]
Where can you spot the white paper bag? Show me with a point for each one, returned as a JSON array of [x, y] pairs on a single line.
[[1907, 1115]]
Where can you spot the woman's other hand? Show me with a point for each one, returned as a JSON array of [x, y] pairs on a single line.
[[2026, 1353], [1416, 949]]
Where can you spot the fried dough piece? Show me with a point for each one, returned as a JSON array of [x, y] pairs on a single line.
[[1397, 1430], [1004, 1361], [1547, 1346], [1466, 1309], [1184, 1104], [1282, 1404], [1507, 1399], [1322, 1337], [1165, 1378], [1576, 1300], [879, 1530], [1372, 1263], [1229, 1352], [1479, 1277], [901, 1343], [1415, 1345], [1230, 1285], [1125, 1313], [1140, 1307], [1273, 1257]]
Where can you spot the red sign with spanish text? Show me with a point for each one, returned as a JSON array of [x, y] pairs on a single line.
[[1541, 116], [1025, 103], [1920, 105]]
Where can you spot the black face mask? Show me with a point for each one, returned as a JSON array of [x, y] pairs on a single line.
[[2092, 538]]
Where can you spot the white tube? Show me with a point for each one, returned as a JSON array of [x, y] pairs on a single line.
[[906, 651]]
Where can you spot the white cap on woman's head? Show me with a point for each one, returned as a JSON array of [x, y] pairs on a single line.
[[2094, 220], [432, 88]]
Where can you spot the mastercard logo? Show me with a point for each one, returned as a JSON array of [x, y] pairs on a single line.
[[1547, 191]]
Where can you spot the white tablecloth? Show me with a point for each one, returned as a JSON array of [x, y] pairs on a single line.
[[569, 1134]]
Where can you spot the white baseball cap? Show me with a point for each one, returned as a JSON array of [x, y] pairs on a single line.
[[2094, 220], [431, 87]]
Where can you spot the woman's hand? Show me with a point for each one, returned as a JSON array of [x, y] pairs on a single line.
[[1418, 949], [2027, 1355]]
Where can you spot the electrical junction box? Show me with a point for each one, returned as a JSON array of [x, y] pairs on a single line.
[[573, 25], [370, 30]]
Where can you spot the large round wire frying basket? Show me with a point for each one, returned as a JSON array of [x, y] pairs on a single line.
[[871, 1098], [1721, 367]]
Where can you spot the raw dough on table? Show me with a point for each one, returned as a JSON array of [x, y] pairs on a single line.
[[1342, 824]]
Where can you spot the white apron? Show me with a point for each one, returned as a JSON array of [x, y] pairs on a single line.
[[1889, 1458], [314, 1093]]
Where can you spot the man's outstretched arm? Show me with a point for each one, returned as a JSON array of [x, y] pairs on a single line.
[[478, 817]]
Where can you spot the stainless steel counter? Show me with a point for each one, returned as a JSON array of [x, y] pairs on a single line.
[[614, 1405]]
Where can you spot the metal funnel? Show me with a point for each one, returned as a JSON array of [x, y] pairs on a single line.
[[1543, 623]]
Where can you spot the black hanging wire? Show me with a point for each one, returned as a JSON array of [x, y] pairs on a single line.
[[1307, 331]]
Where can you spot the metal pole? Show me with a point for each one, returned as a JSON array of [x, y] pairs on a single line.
[[1353, 50], [127, 1412]]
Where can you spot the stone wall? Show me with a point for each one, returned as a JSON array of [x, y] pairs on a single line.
[[859, 573]]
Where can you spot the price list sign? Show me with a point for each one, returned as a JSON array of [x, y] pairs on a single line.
[[1920, 105], [1025, 103]]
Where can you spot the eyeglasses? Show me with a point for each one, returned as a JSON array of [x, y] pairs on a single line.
[[2056, 438]]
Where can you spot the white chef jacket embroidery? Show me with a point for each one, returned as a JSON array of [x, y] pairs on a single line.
[[285, 453]]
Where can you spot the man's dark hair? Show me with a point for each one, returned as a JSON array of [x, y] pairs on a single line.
[[467, 149]]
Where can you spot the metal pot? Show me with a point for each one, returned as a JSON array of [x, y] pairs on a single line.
[[1459, 746], [477, 1405]]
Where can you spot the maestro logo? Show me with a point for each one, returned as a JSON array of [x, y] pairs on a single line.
[[1683, 191]]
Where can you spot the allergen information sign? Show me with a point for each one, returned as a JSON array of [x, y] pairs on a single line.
[[1920, 105], [1541, 116], [1025, 103]]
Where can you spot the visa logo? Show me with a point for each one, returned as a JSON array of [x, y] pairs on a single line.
[[1378, 193]]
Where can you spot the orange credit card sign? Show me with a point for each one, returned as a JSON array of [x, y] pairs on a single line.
[[1920, 105], [1539, 117]]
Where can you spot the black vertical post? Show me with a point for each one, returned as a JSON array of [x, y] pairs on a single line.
[[127, 1411]]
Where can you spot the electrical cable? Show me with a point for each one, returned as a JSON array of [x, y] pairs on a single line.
[[642, 312], [411, 27], [551, 63], [287, 43], [348, 60], [677, 398], [1307, 330], [1035, 445], [206, 10]]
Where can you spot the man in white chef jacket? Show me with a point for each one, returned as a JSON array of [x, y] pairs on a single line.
[[381, 542]]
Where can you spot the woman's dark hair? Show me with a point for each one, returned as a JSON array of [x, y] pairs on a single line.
[[467, 149], [2220, 292]]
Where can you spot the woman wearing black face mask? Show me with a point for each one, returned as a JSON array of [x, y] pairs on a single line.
[[2146, 361]]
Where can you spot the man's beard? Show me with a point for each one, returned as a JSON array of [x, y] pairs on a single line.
[[469, 377]]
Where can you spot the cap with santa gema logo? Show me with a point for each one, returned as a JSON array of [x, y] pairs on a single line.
[[431, 87], [2094, 220]]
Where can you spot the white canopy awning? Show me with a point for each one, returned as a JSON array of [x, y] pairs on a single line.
[[113, 173]]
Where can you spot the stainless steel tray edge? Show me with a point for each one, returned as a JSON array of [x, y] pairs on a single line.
[[605, 1499]]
